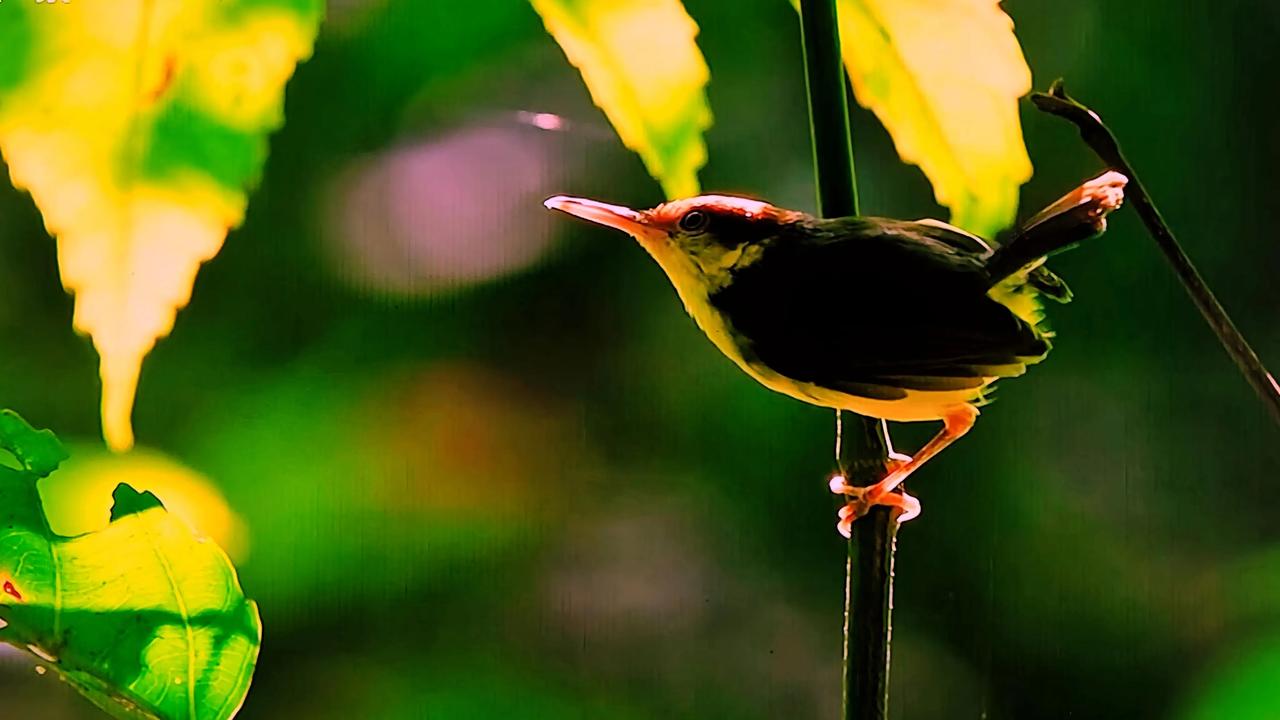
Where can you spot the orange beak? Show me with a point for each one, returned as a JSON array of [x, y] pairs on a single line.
[[618, 217]]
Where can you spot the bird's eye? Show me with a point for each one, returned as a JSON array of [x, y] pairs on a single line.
[[694, 221]]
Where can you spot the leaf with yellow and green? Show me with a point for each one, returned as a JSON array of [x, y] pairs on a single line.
[[643, 67], [944, 76], [138, 127], [143, 617]]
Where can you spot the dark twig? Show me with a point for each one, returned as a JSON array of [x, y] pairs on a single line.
[[868, 586], [869, 572], [1099, 138]]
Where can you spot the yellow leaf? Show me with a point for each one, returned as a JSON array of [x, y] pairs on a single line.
[[138, 127], [643, 68], [944, 76], [77, 498]]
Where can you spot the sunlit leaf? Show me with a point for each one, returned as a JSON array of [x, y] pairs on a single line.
[[644, 69], [944, 76], [1241, 688], [138, 126], [143, 617], [77, 498]]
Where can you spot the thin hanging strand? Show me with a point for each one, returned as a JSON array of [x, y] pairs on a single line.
[[839, 440]]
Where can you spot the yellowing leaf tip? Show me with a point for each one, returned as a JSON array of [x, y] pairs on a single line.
[[944, 77], [641, 63], [119, 386]]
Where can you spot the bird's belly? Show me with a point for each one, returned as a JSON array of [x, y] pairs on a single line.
[[918, 405]]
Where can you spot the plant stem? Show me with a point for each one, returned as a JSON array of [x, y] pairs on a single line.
[[828, 109], [869, 570], [868, 587], [1099, 139]]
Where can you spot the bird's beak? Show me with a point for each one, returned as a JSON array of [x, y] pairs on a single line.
[[615, 216]]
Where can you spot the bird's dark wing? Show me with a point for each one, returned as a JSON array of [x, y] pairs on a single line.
[[877, 303], [1042, 279], [932, 231]]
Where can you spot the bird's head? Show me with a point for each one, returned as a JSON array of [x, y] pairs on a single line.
[[704, 237]]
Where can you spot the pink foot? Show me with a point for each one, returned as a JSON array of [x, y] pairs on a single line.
[[863, 499]]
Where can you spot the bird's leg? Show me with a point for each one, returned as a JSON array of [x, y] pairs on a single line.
[[956, 423]]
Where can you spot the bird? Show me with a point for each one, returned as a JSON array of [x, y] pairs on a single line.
[[904, 321]]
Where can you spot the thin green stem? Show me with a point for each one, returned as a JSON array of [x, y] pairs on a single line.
[[869, 570], [828, 109]]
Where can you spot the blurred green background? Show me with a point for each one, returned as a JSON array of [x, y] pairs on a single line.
[[480, 464]]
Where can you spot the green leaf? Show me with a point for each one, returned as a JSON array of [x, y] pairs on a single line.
[[139, 126], [1243, 688], [944, 76], [645, 71], [144, 618], [37, 451]]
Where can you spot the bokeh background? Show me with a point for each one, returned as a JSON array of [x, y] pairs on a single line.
[[474, 461]]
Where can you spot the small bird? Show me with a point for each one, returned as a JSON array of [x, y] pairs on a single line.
[[891, 319]]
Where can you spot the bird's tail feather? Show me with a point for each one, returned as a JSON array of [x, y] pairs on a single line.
[[1077, 216]]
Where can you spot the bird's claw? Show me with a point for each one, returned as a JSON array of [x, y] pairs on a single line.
[[862, 499], [893, 463], [1105, 192], [852, 510]]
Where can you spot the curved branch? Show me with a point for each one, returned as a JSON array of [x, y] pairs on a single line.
[[1103, 143]]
